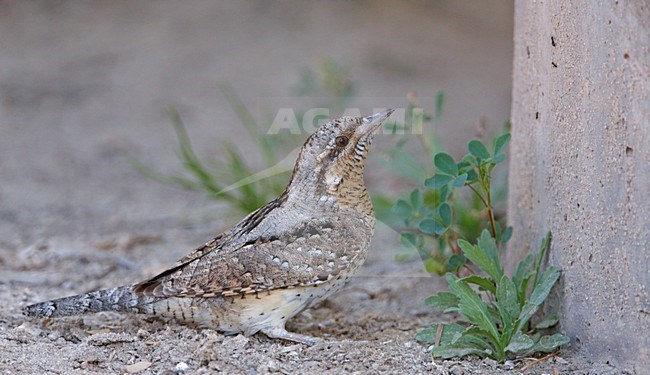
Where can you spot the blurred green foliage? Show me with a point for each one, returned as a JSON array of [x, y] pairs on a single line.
[[436, 216], [234, 180]]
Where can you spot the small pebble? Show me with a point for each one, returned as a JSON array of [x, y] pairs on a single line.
[[272, 366], [182, 367], [291, 348], [142, 333], [490, 362], [137, 367]]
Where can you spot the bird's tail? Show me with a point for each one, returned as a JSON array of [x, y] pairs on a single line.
[[115, 299]]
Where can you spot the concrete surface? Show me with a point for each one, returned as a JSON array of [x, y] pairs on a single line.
[[581, 166]]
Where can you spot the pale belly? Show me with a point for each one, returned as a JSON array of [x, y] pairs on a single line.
[[276, 307], [247, 314]]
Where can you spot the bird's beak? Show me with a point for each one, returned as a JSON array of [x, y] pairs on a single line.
[[372, 123]]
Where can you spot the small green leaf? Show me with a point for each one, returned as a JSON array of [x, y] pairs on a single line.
[[520, 343], [460, 180], [522, 289], [464, 167], [455, 261], [498, 158], [477, 149], [433, 267], [454, 337], [445, 192], [445, 214], [524, 270], [475, 336], [403, 208], [546, 242], [548, 344], [445, 164], [416, 198], [547, 323], [427, 335], [488, 245], [453, 352], [485, 255], [506, 235], [507, 302], [536, 336], [538, 295], [472, 307], [472, 176], [482, 282], [462, 341], [501, 143], [468, 160], [431, 226], [449, 331], [409, 240], [476, 256], [437, 181], [443, 301]]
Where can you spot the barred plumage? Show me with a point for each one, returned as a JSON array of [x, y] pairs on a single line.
[[284, 257]]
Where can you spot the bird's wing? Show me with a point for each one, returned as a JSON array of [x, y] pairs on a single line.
[[155, 287], [313, 253]]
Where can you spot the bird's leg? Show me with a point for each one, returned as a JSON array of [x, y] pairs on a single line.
[[279, 332]]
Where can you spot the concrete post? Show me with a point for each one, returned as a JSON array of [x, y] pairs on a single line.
[[580, 166]]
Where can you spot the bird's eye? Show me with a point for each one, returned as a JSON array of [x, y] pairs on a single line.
[[341, 141]]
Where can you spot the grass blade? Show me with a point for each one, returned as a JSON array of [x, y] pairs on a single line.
[[247, 119]]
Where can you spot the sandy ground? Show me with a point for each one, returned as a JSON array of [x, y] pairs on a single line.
[[369, 327], [84, 84]]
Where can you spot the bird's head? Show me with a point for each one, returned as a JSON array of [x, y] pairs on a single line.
[[332, 160]]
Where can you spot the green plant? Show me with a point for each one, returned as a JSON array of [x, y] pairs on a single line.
[[233, 180], [500, 322], [497, 307], [438, 216]]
